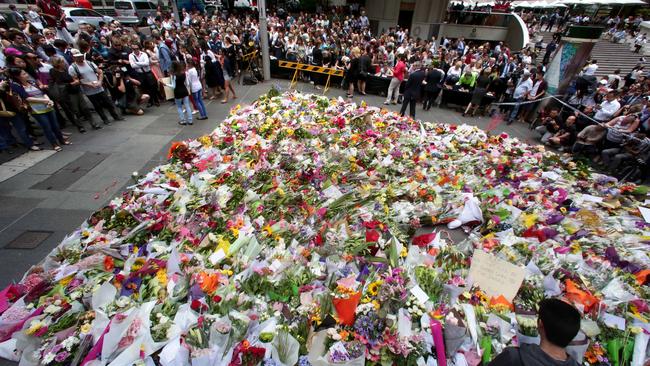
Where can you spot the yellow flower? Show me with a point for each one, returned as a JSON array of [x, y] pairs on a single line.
[[161, 276], [235, 232], [529, 219], [373, 288], [34, 327], [205, 140], [139, 263], [85, 328], [375, 303], [281, 192], [223, 244], [404, 252], [66, 280], [267, 228]]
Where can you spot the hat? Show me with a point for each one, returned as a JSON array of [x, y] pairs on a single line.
[[76, 53], [10, 51], [168, 42]]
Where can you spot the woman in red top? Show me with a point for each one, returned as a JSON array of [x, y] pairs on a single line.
[[55, 18]]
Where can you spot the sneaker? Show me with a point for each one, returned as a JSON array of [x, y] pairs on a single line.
[[182, 123], [195, 112], [107, 123], [190, 123], [35, 148], [97, 127], [82, 130], [386, 103]]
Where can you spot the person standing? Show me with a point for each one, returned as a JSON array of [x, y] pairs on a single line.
[[365, 66], [141, 66], [91, 78], [55, 18], [227, 65], [181, 93], [398, 76], [412, 89], [352, 71], [196, 89], [480, 89], [68, 95], [433, 80], [165, 56], [520, 93], [42, 107]]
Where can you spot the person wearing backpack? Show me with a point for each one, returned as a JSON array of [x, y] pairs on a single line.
[[91, 78], [558, 324]]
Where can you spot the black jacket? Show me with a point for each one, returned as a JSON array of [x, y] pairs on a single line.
[[434, 80], [413, 86]]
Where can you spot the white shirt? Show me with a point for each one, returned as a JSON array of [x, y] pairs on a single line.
[[140, 63], [607, 110], [522, 88], [193, 80], [591, 69]]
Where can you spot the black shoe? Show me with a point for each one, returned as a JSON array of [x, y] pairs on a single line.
[[97, 127], [120, 119], [202, 118], [82, 130], [107, 123], [509, 122], [37, 143]]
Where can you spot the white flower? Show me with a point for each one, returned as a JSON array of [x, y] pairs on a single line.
[[52, 309], [69, 342], [48, 358], [122, 302], [135, 174]]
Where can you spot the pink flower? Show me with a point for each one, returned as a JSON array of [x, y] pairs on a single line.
[[62, 356]]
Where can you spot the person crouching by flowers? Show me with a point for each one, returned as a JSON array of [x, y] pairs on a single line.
[[558, 323], [181, 92]]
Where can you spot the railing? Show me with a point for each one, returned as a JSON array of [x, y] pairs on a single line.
[[482, 18]]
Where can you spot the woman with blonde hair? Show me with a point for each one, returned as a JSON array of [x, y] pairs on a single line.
[[352, 70]]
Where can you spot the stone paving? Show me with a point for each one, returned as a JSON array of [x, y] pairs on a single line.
[[50, 194]]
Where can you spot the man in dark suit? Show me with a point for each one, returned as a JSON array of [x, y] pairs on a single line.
[[413, 89]]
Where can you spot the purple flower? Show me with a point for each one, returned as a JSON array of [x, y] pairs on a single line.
[[62, 356], [130, 285], [554, 219]]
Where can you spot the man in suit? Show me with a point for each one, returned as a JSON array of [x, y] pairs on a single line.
[[412, 89]]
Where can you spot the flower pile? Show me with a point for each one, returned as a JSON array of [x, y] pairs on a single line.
[[310, 231]]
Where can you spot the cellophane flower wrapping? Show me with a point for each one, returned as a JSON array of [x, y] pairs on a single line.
[[319, 224]]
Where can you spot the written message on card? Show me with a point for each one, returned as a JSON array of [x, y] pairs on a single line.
[[495, 276]]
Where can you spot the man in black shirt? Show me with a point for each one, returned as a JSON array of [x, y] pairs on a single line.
[[558, 323]]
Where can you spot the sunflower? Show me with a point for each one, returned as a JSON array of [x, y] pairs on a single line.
[[373, 288]]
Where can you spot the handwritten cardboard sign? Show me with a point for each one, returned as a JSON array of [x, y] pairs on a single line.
[[495, 276]]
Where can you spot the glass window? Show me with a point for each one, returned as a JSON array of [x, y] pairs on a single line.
[[77, 13], [123, 5], [142, 5]]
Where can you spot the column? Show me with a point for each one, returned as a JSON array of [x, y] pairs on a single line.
[[427, 17], [382, 14]]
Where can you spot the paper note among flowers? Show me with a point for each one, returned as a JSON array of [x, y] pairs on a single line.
[[495, 276], [645, 212]]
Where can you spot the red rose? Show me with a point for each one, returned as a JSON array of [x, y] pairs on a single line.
[[372, 236]]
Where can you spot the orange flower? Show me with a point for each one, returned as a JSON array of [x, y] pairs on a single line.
[[175, 145], [245, 344], [109, 264], [208, 282]]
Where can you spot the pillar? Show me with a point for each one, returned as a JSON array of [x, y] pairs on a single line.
[[570, 57], [427, 17], [382, 14]]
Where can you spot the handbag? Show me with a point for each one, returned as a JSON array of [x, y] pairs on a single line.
[[3, 110]]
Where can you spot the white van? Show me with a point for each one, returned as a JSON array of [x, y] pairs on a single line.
[[141, 9]]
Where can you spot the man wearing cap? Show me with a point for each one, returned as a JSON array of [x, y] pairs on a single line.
[[165, 56], [90, 77]]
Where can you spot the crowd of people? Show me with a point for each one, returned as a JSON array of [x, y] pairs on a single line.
[[55, 78]]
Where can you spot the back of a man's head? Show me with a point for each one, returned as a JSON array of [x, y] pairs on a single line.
[[560, 320]]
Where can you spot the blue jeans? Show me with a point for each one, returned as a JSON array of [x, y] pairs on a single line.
[[515, 108], [50, 127], [198, 100], [188, 109], [19, 123]]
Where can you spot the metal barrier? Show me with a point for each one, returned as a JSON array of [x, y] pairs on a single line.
[[329, 71]]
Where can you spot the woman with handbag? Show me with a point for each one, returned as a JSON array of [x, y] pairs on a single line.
[[42, 107], [181, 93], [65, 90], [13, 112]]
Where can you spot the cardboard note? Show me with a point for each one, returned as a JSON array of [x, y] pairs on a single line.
[[495, 276]]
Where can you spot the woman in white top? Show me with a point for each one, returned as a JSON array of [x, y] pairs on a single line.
[[453, 74], [196, 89]]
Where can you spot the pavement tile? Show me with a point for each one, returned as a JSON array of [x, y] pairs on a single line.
[[21, 181], [60, 180], [50, 219], [15, 207], [86, 162], [55, 162], [30, 159]]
